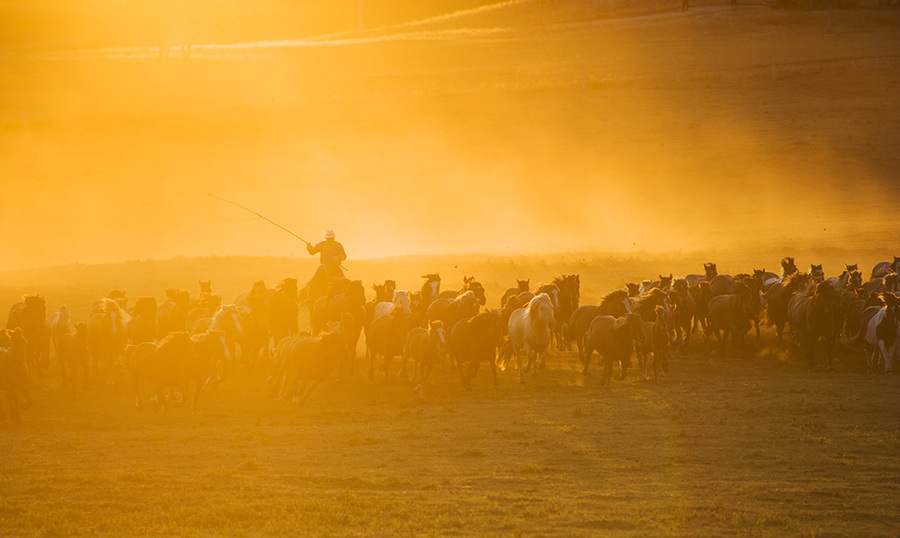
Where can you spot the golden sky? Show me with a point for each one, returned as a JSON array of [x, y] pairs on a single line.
[[503, 129]]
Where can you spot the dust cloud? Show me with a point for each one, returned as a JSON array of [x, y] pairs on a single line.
[[653, 133]]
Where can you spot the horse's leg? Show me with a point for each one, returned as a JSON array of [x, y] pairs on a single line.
[[13, 406], [494, 373]]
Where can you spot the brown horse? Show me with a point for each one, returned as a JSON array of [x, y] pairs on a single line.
[[386, 338], [815, 314], [30, 315], [613, 339], [171, 316], [709, 273], [14, 371], [308, 362], [567, 302], [729, 315], [614, 304], [473, 341], [788, 267], [701, 296], [683, 309], [655, 343], [73, 355], [144, 326], [522, 286], [425, 347], [883, 268], [777, 298]]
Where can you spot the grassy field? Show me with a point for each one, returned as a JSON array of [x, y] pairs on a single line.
[[721, 446], [650, 141]]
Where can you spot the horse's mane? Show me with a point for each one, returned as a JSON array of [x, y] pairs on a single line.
[[613, 296], [531, 309], [465, 296], [654, 296]]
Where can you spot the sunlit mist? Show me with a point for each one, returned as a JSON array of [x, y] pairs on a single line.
[[444, 127]]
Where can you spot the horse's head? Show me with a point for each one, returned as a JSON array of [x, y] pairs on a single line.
[[632, 289], [205, 287], [35, 306], [432, 277], [816, 272], [475, 287], [788, 267], [854, 282], [523, 285], [356, 292], [709, 269], [850, 268], [389, 287], [436, 330], [665, 281], [540, 307]]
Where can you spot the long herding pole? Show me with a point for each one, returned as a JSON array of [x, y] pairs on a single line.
[[260, 216]]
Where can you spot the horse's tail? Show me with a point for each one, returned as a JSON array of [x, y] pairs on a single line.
[[856, 339]]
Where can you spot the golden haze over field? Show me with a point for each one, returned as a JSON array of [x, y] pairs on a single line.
[[616, 140], [516, 127]]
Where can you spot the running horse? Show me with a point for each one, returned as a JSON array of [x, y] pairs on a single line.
[[30, 315], [614, 304], [567, 302], [530, 329], [815, 314]]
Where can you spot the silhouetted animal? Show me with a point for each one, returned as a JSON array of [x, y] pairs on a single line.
[[883, 268], [425, 347], [729, 315], [30, 315], [613, 339], [522, 286], [74, 356], [655, 343], [473, 341], [777, 297], [386, 338], [815, 314], [171, 315], [13, 372], [614, 304], [284, 309], [309, 361], [144, 326]]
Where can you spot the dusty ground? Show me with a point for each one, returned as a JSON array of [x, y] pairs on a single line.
[[721, 446]]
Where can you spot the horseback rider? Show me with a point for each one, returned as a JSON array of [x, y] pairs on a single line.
[[331, 254]]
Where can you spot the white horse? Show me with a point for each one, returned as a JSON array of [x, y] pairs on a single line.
[[529, 332], [401, 297]]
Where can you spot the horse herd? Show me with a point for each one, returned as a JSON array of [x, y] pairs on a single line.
[[185, 343]]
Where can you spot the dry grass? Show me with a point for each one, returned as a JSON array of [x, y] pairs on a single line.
[[721, 446]]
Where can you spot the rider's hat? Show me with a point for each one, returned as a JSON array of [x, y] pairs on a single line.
[[329, 234]]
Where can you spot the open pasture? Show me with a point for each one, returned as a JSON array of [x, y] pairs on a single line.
[[722, 445]]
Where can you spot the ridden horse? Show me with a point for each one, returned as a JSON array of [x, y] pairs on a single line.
[[473, 341], [883, 268], [284, 309], [613, 339], [729, 314], [614, 304], [815, 314], [529, 332], [307, 362], [30, 315], [14, 371], [683, 309], [522, 286], [777, 298], [386, 337], [425, 347]]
